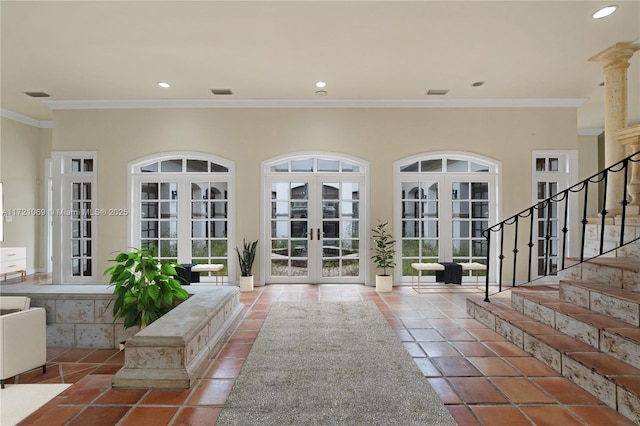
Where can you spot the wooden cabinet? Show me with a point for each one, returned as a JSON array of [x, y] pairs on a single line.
[[13, 260]]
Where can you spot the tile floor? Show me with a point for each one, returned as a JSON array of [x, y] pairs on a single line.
[[481, 378]]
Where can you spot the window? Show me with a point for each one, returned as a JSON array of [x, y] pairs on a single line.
[[181, 208], [443, 203], [75, 213], [552, 174]]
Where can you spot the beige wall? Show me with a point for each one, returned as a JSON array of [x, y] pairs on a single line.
[[250, 136], [22, 156], [588, 153]]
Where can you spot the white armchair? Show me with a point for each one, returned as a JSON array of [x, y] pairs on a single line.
[[23, 337]]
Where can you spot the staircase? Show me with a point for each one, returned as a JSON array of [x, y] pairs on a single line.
[[586, 328]]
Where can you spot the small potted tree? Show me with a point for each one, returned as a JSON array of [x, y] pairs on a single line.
[[145, 288], [246, 258], [383, 249]]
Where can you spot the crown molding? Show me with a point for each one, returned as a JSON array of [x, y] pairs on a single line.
[[41, 124], [316, 103], [590, 132]]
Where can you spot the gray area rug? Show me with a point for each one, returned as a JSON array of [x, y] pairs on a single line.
[[331, 363]]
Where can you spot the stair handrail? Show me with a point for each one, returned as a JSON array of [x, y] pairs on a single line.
[[602, 176]]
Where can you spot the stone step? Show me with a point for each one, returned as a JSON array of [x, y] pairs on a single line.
[[616, 272], [614, 302], [608, 335], [614, 382], [611, 239]]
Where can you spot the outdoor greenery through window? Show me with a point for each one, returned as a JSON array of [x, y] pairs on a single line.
[[183, 207], [445, 202]]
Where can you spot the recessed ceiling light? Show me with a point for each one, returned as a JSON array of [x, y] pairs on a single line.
[[221, 91], [478, 83], [321, 92], [164, 84], [439, 92], [37, 94], [321, 84], [605, 11]]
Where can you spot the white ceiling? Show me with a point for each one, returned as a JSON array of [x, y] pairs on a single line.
[[364, 50]]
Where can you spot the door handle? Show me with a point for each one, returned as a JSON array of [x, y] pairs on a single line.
[[319, 235], [311, 234]]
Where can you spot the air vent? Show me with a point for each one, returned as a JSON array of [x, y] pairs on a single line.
[[221, 91], [439, 92], [37, 94]]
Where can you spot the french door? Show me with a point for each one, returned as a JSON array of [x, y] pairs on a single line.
[[314, 228], [442, 205]]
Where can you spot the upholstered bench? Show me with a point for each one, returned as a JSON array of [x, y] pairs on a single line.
[[419, 267], [473, 266], [208, 267]]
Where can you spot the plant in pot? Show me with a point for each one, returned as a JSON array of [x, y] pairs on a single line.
[[383, 249], [246, 258], [145, 288]]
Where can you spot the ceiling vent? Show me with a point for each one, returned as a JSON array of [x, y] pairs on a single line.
[[438, 92], [221, 91], [37, 94]]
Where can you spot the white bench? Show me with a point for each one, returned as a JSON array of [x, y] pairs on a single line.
[[473, 266], [424, 267], [208, 267], [469, 266]]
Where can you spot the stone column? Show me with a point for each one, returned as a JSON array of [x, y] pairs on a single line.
[[614, 61], [630, 138]]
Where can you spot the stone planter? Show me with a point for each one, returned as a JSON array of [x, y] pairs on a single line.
[[246, 283], [384, 283]]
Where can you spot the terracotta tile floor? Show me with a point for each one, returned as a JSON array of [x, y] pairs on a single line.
[[481, 378]]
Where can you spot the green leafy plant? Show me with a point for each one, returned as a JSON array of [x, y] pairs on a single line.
[[246, 257], [383, 247], [145, 288]]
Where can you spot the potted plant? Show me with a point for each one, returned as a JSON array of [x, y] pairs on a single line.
[[145, 288], [383, 249], [246, 258]]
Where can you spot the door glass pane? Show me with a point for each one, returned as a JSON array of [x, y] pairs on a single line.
[[340, 229], [476, 167], [413, 167], [171, 166], [431, 166], [149, 168], [289, 229], [348, 167], [547, 229], [328, 165], [457, 166], [197, 166], [218, 168], [305, 165]]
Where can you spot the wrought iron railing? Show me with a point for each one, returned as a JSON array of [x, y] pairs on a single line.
[[550, 256]]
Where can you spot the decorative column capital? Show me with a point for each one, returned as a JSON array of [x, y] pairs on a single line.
[[616, 56], [629, 135]]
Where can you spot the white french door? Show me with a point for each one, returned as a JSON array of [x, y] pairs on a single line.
[[314, 230], [443, 203]]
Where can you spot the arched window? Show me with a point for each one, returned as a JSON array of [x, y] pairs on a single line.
[[181, 207], [443, 201]]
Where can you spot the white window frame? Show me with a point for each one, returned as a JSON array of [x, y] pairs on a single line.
[[61, 222], [566, 176], [135, 178], [494, 177], [267, 176]]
